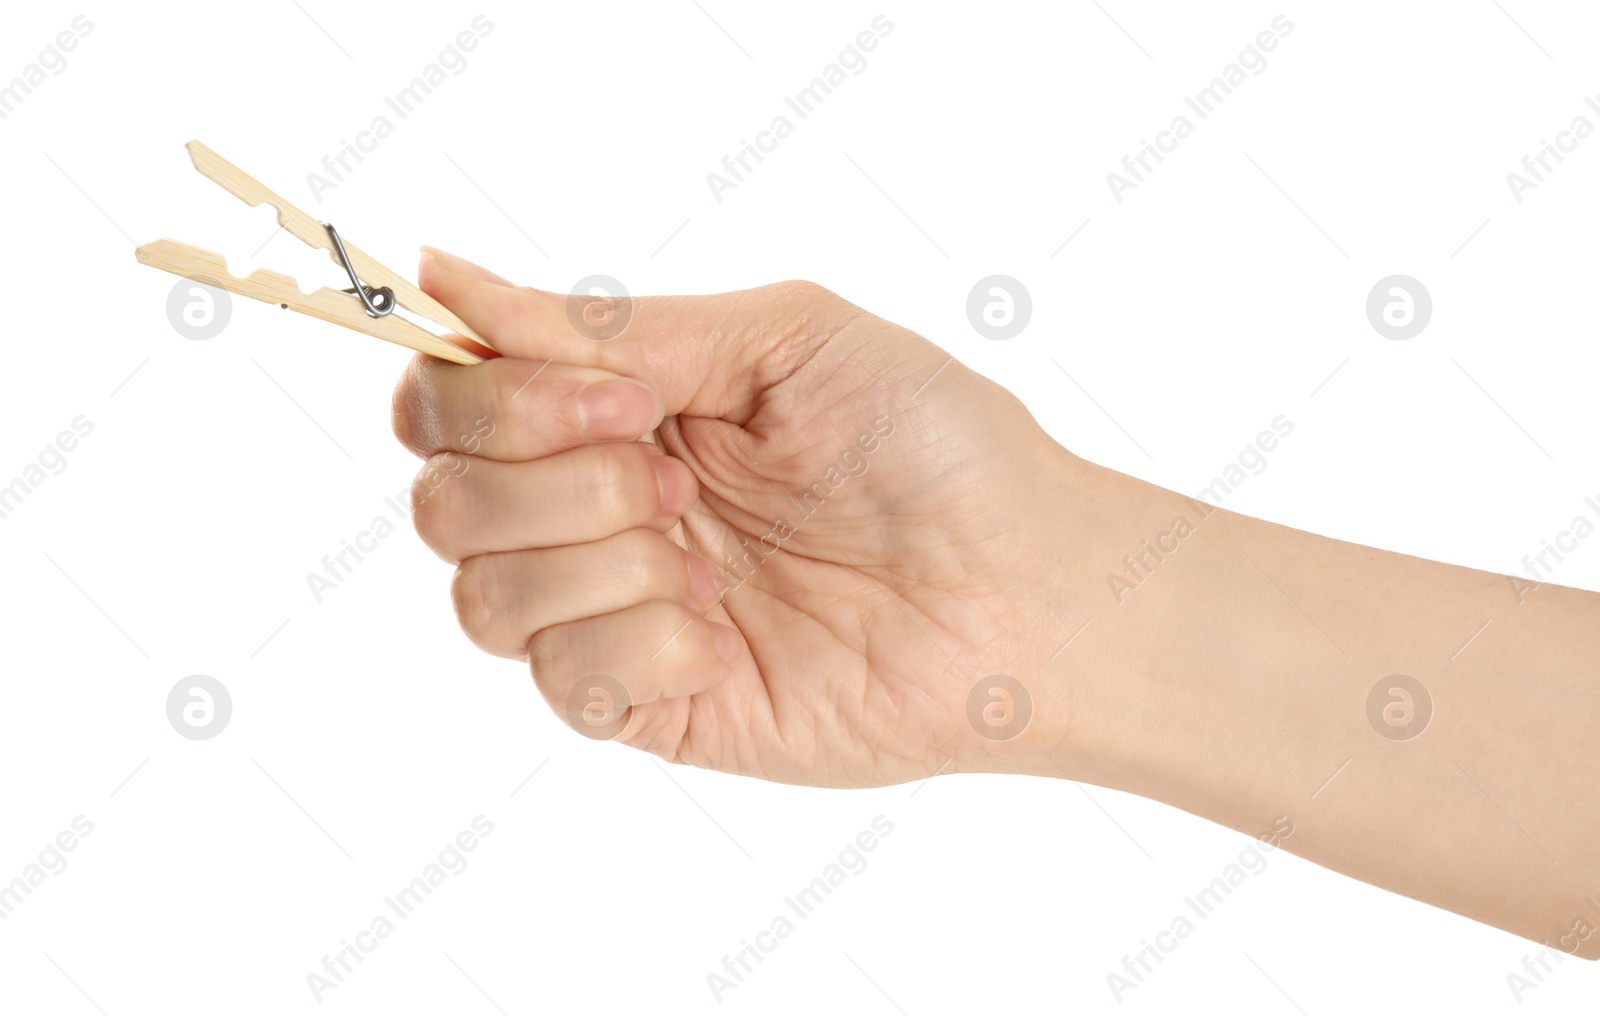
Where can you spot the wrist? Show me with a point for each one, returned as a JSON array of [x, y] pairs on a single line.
[[1156, 662], [1090, 676]]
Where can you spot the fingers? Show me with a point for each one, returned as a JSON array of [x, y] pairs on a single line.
[[503, 600], [537, 480], [590, 671], [512, 410], [714, 353], [463, 506]]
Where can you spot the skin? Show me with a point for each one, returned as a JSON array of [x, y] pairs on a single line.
[[951, 540]]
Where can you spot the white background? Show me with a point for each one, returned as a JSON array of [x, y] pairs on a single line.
[[366, 733]]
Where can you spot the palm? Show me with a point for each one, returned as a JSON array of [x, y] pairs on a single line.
[[852, 565]]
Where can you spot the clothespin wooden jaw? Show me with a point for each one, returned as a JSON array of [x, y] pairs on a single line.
[[365, 308]]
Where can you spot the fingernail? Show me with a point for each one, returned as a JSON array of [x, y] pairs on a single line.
[[675, 483], [727, 640], [460, 265], [703, 584], [617, 410]]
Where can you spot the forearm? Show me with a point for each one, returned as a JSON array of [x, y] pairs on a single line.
[[1236, 679]]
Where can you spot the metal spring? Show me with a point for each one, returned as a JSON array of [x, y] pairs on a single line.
[[379, 301]]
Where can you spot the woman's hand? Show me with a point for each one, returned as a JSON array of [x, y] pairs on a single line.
[[837, 534], [904, 556]]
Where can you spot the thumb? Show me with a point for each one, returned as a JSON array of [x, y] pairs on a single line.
[[706, 355]]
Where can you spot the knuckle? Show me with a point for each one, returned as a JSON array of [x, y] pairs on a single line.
[[543, 666], [805, 300], [807, 310], [550, 660], [510, 405], [481, 603], [607, 484], [408, 404], [799, 290], [505, 315], [513, 312], [673, 628], [471, 600], [648, 561], [437, 507]]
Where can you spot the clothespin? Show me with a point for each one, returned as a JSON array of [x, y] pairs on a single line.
[[368, 306]]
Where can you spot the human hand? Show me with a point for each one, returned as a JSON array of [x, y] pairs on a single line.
[[947, 540], [850, 530]]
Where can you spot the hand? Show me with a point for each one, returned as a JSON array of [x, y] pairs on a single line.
[[888, 530], [837, 532]]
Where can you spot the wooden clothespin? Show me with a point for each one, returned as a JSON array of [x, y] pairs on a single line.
[[368, 306]]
